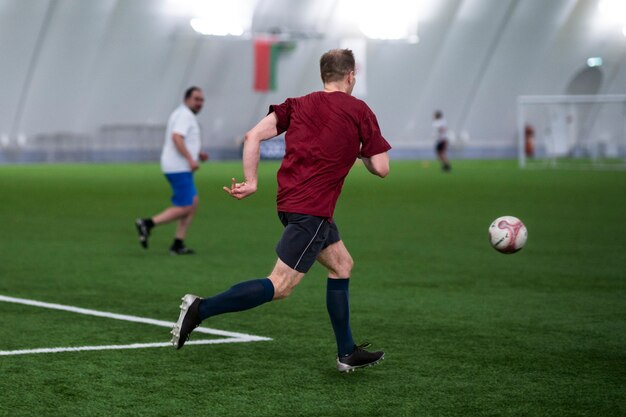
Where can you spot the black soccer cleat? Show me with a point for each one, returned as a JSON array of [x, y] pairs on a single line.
[[181, 251], [188, 320], [359, 358], [143, 232]]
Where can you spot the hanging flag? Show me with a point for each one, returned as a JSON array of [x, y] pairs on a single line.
[[266, 54], [262, 64]]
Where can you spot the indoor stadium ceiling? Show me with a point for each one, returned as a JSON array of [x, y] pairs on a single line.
[[74, 66]]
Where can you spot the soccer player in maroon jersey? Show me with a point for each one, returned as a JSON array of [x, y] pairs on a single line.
[[326, 132]]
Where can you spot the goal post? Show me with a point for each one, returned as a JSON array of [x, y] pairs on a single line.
[[572, 131]]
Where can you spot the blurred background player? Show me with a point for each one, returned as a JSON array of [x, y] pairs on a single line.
[[529, 140], [326, 132], [179, 160], [440, 130]]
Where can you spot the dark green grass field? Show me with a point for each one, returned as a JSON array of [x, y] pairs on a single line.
[[467, 331]]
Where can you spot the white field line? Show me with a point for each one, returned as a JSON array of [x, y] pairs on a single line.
[[232, 337], [119, 347], [123, 317]]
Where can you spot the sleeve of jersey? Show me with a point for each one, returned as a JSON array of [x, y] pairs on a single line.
[[372, 141], [181, 125], [283, 114]]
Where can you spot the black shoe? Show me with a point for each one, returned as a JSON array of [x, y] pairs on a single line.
[[359, 358], [143, 232], [446, 168], [183, 250], [188, 320]]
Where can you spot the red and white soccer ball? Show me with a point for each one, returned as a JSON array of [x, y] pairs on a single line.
[[507, 234]]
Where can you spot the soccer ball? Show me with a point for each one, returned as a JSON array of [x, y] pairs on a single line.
[[507, 234]]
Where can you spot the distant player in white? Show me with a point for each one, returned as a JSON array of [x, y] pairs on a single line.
[[179, 159], [440, 130]]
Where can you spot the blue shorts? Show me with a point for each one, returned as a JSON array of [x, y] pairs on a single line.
[[183, 187]]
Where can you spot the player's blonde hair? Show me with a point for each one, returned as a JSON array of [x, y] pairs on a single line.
[[336, 64]]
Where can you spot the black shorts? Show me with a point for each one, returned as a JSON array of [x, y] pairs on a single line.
[[441, 145], [305, 236]]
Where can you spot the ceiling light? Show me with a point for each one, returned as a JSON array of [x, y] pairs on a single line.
[[388, 20], [229, 18], [595, 61]]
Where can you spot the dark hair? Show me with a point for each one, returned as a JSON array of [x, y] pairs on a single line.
[[190, 91], [438, 114], [336, 64]]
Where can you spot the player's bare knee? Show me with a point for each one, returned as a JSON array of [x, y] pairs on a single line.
[[194, 205], [349, 264], [345, 267]]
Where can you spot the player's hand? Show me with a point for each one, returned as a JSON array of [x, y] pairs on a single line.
[[240, 190], [193, 165], [203, 156]]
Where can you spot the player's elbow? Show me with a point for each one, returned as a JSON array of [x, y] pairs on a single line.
[[383, 172], [381, 168], [380, 164], [250, 137]]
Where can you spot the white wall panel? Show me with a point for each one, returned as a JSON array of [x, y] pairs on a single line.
[[520, 46], [127, 62], [20, 25]]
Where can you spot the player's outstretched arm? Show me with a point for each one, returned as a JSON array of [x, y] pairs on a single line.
[[377, 164], [264, 130]]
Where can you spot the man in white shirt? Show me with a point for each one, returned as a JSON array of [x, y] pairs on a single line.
[[179, 159]]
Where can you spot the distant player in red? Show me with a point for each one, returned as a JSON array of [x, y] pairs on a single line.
[[326, 132]]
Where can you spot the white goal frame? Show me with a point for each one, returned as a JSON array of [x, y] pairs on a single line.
[[551, 161]]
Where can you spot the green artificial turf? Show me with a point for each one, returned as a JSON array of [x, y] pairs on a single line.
[[467, 331]]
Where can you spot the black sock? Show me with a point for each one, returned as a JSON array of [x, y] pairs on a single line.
[[243, 296], [149, 223], [178, 243], [338, 305]]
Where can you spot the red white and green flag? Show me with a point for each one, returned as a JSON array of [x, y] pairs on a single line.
[[266, 54]]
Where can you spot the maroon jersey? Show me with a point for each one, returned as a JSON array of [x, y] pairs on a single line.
[[326, 132]]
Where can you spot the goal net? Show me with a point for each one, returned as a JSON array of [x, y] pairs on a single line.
[[572, 131]]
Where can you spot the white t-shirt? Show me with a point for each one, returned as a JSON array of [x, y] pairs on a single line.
[[183, 122], [440, 129]]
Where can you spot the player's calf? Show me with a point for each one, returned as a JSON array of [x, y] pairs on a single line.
[[284, 279]]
